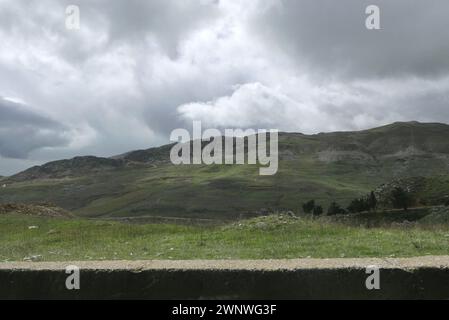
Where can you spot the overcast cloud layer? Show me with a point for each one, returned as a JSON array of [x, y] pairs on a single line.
[[138, 69]]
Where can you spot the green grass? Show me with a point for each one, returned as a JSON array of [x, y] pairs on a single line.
[[195, 191], [261, 238]]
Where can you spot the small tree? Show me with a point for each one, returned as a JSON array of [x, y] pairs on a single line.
[[367, 203], [357, 205], [308, 206], [335, 209], [372, 201], [318, 210], [400, 198]]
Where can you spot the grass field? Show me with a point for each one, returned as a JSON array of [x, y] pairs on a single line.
[[273, 237]]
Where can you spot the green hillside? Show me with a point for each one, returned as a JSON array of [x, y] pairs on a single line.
[[325, 167]]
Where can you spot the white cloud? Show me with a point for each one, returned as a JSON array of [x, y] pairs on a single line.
[[136, 70], [252, 105]]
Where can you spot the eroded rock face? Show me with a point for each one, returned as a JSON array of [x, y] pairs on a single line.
[[330, 155]]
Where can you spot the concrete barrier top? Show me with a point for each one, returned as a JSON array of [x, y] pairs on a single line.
[[441, 262]]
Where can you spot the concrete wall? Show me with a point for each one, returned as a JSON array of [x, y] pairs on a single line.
[[416, 278]]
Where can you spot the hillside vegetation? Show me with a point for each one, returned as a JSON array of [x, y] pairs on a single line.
[[326, 167]]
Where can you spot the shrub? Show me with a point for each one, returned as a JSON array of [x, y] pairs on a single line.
[[335, 209], [372, 201], [363, 204], [400, 198], [357, 205], [309, 206], [318, 210]]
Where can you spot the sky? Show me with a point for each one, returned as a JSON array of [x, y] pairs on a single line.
[[136, 70]]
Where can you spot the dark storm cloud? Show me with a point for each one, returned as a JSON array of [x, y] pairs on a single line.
[[167, 20], [330, 37], [22, 131], [138, 69], [135, 22]]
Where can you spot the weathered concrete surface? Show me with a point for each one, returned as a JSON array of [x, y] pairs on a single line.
[[411, 278]]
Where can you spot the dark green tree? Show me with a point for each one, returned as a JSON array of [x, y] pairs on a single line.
[[367, 203], [357, 205], [308, 206], [318, 210], [400, 198], [335, 209], [372, 201]]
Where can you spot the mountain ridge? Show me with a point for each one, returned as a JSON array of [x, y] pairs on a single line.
[[158, 154], [326, 167]]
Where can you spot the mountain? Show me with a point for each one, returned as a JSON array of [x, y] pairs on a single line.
[[77, 166], [89, 165], [325, 167]]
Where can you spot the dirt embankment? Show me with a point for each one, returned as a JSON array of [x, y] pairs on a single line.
[[41, 210]]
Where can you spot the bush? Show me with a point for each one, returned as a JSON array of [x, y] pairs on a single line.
[[372, 201], [363, 204], [318, 210], [358, 205], [400, 198], [309, 206], [335, 209]]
